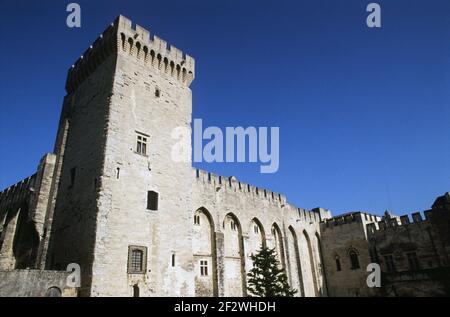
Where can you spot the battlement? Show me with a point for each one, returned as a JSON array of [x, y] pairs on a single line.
[[136, 41], [231, 183], [17, 192], [350, 218], [394, 222], [93, 57]]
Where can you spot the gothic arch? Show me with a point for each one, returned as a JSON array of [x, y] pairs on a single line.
[[323, 287], [353, 255], [262, 232], [256, 239], [204, 249], [234, 263], [311, 262], [277, 239], [296, 277], [26, 241]]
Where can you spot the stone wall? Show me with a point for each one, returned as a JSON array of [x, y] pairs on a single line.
[[414, 254], [35, 283], [148, 99], [244, 217], [23, 218], [341, 236]]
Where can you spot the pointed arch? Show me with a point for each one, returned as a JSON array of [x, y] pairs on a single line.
[[205, 253], [311, 262], [235, 282], [323, 286], [353, 255], [294, 262], [26, 241], [256, 238], [261, 231], [278, 244]]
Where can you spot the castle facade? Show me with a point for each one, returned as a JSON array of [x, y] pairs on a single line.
[[110, 199]]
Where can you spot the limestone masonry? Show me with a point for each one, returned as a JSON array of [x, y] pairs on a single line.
[[110, 199]]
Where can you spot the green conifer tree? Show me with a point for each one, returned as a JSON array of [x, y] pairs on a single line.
[[267, 278]]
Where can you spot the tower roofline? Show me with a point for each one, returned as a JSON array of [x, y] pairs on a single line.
[[138, 42]]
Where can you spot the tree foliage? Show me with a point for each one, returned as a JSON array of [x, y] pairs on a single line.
[[267, 278]]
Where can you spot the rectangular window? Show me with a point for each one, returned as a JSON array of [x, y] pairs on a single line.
[[204, 268], [137, 259], [413, 261], [390, 264], [173, 259], [152, 200], [141, 144]]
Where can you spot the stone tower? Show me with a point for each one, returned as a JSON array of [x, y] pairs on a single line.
[[123, 209]]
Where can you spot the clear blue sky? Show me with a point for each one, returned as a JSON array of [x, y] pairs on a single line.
[[364, 114]]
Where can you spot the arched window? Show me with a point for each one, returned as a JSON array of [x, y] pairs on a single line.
[[53, 292], [354, 260]]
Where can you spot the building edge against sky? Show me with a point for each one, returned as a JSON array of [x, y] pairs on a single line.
[[109, 200]]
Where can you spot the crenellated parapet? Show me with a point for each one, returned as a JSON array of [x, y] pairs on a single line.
[[350, 218], [18, 193], [93, 57], [387, 224], [136, 41], [222, 183], [231, 183], [154, 52]]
